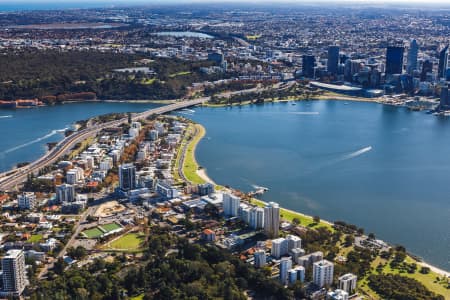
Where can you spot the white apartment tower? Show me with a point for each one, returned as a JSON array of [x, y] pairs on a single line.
[[26, 200], [272, 219], [260, 258], [231, 205], [14, 273], [347, 282], [323, 273]]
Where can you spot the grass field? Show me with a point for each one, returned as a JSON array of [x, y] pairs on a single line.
[[289, 215], [179, 74], [93, 233], [190, 165], [139, 297], [35, 238], [127, 242], [110, 227]]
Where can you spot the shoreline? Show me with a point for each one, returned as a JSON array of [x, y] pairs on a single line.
[[202, 173]]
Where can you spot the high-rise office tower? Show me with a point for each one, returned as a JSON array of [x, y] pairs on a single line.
[[272, 219], [14, 273], [445, 101], [394, 60], [308, 64], [333, 59], [443, 62], [127, 177], [413, 52], [427, 67]]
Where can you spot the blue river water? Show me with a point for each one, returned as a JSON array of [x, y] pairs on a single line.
[[382, 168]]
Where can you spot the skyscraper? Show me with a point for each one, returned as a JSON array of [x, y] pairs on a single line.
[[272, 219], [231, 205], [443, 62], [427, 67], [308, 64], [14, 273], [257, 218], [323, 273], [127, 177], [445, 101], [333, 59], [394, 60], [413, 51]]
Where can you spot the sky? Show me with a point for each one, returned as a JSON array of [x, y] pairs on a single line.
[[91, 3]]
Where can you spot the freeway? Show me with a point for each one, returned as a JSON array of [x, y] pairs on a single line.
[[14, 177]]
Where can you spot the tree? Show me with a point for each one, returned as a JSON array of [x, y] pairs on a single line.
[[425, 270], [296, 221], [316, 219]]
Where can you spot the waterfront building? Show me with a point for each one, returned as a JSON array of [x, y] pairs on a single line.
[[127, 177], [257, 218], [65, 193], [205, 189], [337, 295], [443, 62], [308, 65], [244, 213], [285, 266], [14, 272], [347, 283], [231, 205], [272, 219], [394, 60], [323, 273], [279, 247], [444, 101], [26, 200], [297, 273], [333, 59], [260, 258], [293, 242], [413, 51]]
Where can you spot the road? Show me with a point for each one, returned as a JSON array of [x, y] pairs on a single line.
[[10, 179], [17, 176]]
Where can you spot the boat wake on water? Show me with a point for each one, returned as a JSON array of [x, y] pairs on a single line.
[[50, 134], [6, 117], [356, 153], [305, 113]]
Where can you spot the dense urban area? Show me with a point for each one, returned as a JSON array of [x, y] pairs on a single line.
[[126, 212]]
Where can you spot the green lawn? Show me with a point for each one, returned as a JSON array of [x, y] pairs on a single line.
[[110, 227], [93, 233], [190, 165], [288, 215], [148, 81], [35, 238], [179, 74], [127, 242], [139, 297]]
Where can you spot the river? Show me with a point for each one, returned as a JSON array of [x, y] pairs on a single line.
[[380, 167]]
